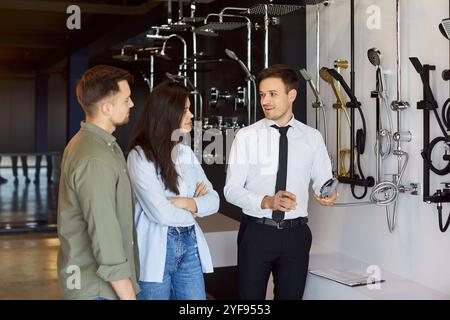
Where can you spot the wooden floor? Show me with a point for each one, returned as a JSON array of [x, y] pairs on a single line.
[[28, 267]]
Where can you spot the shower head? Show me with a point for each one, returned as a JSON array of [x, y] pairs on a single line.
[[281, 8], [273, 9], [179, 78], [175, 77], [374, 56], [222, 26], [162, 54], [205, 32], [156, 37], [444, 27], [308, 79], [175, 27], [125, 57], [305, 75], [231, 54], [298, 2], [314, 2], [446, 75], [338, 77], [325, 75]]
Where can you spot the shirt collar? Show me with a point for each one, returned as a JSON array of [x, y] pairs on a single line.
[[99, 132], [291, 122]]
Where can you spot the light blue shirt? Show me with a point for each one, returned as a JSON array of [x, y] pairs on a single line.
[[154, 213]]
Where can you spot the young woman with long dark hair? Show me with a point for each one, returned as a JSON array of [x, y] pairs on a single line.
[[171, 190]]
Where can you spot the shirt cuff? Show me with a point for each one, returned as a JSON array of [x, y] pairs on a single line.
[[114, 272], [256, 200], [200, 203]]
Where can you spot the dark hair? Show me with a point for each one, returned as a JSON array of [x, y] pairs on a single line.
[[160, 118], [97, 83], [283, 72]]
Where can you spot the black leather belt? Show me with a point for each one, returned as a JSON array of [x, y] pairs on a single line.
[[284, 224]]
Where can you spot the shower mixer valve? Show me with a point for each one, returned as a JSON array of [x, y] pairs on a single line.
[[403, 136], [399, 105], [413, 189], [239, 99]]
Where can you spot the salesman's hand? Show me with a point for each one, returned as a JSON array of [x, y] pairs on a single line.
[[283, 201], [327, 201]]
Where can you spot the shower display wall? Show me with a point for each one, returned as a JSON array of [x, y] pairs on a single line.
[[388, 140], [429, 104]]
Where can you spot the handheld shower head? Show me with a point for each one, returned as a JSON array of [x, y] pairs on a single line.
[[325, 75], [444, 27], [308, 79], [446, 75], [305, 75], [231, 54], [374, 56]]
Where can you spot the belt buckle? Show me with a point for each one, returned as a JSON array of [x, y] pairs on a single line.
[[278, 225]]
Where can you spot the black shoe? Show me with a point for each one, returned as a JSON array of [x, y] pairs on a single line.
[[3, 180]]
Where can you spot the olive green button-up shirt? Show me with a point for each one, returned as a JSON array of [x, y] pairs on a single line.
[[95, 217]]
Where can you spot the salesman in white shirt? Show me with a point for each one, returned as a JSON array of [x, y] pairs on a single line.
[[270, 167]]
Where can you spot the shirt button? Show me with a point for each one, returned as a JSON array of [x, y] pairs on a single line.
[[125, 170]]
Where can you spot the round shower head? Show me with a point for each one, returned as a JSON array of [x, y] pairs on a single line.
[[162, 54], [205, 32], [374, 56], [125, 57], [312, 2], [444, 27], [325, 75]]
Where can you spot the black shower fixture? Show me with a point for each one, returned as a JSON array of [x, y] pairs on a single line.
[[444, 27]]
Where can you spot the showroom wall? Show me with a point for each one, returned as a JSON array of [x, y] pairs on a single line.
[[417, 249], [17, 98], [57, 112]]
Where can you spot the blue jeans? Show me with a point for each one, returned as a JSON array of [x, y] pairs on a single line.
[[183, 275]]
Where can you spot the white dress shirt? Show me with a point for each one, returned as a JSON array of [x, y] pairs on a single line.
[[253, 165]]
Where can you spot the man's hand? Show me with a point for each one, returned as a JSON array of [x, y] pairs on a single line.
[[327, 201], [283, 201]]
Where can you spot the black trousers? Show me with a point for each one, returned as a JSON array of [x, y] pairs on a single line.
[[49, 166], [264, 249], [23, 159]]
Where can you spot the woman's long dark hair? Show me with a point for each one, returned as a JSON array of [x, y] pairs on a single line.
[[160, 118]]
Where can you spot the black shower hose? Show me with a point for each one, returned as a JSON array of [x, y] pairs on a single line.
[[360, 147]]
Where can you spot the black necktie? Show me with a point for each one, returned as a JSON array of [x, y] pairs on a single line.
[[282, 168]]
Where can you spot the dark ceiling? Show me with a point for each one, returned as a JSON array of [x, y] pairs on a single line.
[[34, 35]]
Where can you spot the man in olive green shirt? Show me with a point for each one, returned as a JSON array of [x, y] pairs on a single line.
[[98, 255]]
